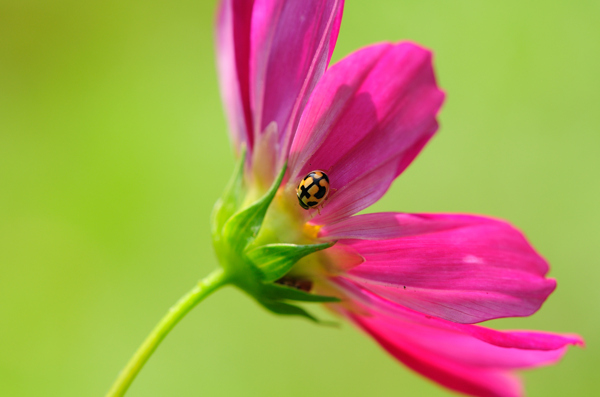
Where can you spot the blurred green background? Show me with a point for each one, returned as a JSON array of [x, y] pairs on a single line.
[[110, 118]]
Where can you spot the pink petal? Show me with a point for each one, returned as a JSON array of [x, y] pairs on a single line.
[[461, 357], [366, 121], [292, 43], [462, 268], [524, 340], [388, 225], [233, 54]]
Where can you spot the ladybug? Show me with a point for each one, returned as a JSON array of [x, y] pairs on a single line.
[[313, 190]]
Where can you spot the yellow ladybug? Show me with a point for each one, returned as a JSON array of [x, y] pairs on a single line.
[[313, 190]]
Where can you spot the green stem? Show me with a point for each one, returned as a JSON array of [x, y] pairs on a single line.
[[205, 287]]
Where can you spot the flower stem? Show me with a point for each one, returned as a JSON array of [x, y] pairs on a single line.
[[205, 287]]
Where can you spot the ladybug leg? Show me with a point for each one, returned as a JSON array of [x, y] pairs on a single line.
[[332, 191], [319, 210]]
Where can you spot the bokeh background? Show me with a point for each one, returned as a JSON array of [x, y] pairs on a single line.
[[113, 149]]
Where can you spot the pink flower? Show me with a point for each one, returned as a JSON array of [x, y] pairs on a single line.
[[414, 282]]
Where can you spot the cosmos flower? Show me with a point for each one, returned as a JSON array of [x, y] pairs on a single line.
[[415, 282]]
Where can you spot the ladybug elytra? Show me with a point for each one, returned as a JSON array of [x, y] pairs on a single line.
[[313, 190]]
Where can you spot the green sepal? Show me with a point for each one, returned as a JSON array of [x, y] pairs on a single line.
[[274, 260], [286, 309], [281, 292], [243, 227], [231, 199]]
